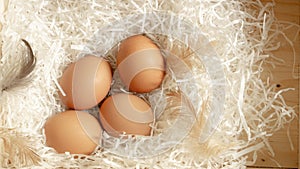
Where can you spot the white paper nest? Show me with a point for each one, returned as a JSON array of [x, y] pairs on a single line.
[[222, 45]]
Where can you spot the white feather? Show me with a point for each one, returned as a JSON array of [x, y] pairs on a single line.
[[17, 73]]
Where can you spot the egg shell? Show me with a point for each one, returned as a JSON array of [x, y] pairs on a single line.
[[140, 64], [73, 131], [85, 82], [126, 113]]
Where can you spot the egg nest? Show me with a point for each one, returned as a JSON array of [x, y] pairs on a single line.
[[212, 110]]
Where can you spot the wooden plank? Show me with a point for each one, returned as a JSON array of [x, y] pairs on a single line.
[[285, 10]]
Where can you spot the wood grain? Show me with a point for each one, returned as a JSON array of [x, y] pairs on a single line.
[[284, 77]]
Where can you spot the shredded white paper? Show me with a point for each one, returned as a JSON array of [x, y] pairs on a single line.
[[239, 35]]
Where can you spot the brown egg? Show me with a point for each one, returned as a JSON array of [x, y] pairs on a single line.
[[124, 113], [140, 64], [85, 82], [72, 131]]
